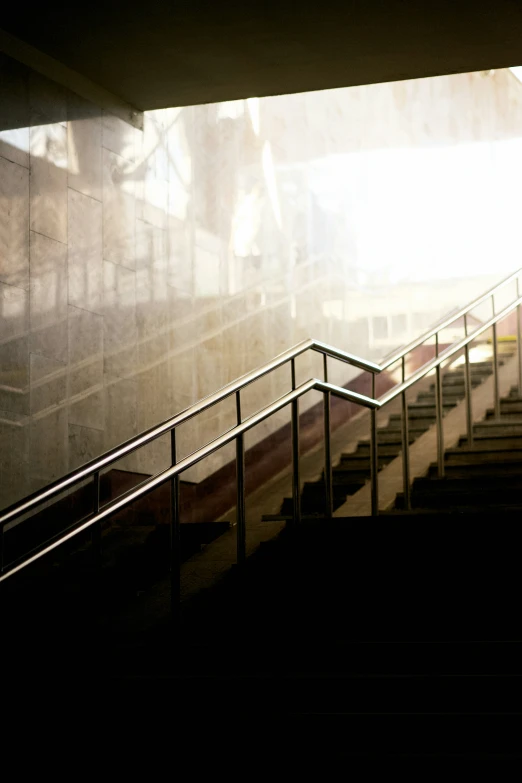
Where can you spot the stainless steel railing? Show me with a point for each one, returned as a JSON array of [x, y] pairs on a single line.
[[94, 468]]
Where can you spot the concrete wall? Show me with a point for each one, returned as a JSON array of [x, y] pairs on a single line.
[[142, 270]]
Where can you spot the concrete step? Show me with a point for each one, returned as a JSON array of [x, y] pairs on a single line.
[[483, 457], [313, 501], [354, 462], [510, 407], [494, 429], [393, 430], [420, 422], [393, 436], [346, 478], [475, 372], [498, 443], [467, 500], [505, 417], [385, 449], [448, 396], [495, 485], [471, 502], [457, 513], [289, 517], [396, 658], [413, 416], [440, 579], [418, 409], [342, 484], [458, 381], [478, 470]]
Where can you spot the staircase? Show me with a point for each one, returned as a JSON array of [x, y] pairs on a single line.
[[398, 635], [392, 634], [354, 468], [484, 475]]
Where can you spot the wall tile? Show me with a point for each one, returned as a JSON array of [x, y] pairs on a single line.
[[14, 375], [152, 350], [48, 446], [182, 374], [121, 411], [121, 405], [85, 336], [182, 311], [48, 383], [48, 297], [119, 323], [85, 376], [85, 264], [154, 406], [89, 410], [14, 458], [119, 136], [119, 210], [151, 247], [210, 371], [48, 185], [154, 395], [14, 224], [86, 367], [84, 137], [14, 145], [14, 312], [85, 444], [152, 309], [180, 272]]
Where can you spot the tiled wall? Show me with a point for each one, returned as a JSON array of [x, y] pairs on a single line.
[[142, 270]]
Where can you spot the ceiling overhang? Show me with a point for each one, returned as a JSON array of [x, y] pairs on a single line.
[[157, 54]]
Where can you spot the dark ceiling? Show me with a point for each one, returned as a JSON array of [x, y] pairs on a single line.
[[155, 53]]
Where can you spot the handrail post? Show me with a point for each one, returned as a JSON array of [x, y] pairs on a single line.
[[438, 414], [374, 457], [96, 528], [405, 444], [175, 530], [328, 479], [495, 372], [240, 486], [468, 388], [296, 482], [519, 343]]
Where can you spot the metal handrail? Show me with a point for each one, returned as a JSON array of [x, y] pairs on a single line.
[[447, 354], [205, 451], [436, 364], [118, 452], [446, 321], [93, 469]]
